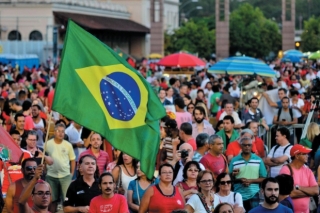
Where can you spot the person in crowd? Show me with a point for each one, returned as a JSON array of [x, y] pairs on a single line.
[[190, 108], [40, 193], [258, 142], [234, 148], [214, 160], [94, 150], [136, 189], [108, 201], [255, 114], [249, 171], [28, 168], [204, 200], [202, 146], [228, 133], [229, 110], [82, 190], [285, 188], [74, 135], [170, 140], [60, 173], [183, 90], [312, 131], [169, 95], [223, 208], [163, 197], [215, 101], [40, 124], [279, 154], [208, 93], [187, 100], [189, 183], [225, 195], [305, 185], [282, 92], [219, 126], [181, 115], [270, 188], [201, 98], [185, 134], [111, 165], [19, 120], [124, 172], [297, 105], [162, 97], [201, 125], [286, 117]]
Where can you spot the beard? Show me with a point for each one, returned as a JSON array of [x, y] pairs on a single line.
[[199, 121], [271, 200]]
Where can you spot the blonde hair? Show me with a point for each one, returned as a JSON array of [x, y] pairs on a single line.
[[313, 131]]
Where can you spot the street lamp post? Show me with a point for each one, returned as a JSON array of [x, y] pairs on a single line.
[[181, 7], [55, 39], [186, 3], [193, 9]]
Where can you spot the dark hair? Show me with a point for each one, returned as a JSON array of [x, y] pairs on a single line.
[[120, 161], [218, 124], [223, 103], [22, 92], [269, 179], [172, 81], [96, 174], [105, 174], [191, 104], [218, 180], [294, 92], [165, 165], [187, 166], [32, 132], [187, 97], [179, 211], [218, 207], [14, 132], [283, 89], [284, 131], [229, 117], [202, 139], [183, 85], [37, 106], [254, 98], [215, 88], [24, 162], [14, 101], [285, 184], [186, 128], [19, 114], [201, 109], [179, 102], [26, 105]]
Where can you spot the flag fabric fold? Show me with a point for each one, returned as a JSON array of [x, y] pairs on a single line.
[[101, 91], [9, 150]]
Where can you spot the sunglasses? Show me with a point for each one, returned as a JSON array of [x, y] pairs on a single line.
[[246, 145], [30, 168], [225, 182], [193, 170]]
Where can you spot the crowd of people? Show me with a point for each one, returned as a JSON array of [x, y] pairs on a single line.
[[211, 156]]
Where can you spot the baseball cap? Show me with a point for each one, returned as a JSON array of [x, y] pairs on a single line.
[[297, 149]]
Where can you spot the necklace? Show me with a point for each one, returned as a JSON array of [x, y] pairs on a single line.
[[209, 209], [128, 171]]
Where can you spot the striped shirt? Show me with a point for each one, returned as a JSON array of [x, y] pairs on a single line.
[[102, 159], [252, 169], [167, 144]]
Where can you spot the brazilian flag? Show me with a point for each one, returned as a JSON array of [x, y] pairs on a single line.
[[101, 91]]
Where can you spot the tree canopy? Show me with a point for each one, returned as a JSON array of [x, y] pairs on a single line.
[[310, 38]]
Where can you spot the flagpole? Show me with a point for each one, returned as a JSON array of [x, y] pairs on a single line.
[[47, 135]]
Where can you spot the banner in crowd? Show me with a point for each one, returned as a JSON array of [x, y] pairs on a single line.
[[101, 91]]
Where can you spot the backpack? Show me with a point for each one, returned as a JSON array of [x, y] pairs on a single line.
[[284, 151], [290, 112]]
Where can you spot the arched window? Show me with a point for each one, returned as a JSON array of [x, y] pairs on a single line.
[[35, 36], [14, 35]]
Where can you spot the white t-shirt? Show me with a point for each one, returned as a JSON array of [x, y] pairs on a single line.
[[229, 199], [310, 77], [234, 115], [299, 104], [274, 170], [197, 205]]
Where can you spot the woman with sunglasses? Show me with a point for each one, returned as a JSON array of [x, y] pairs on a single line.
[[189, 184], [136, 190], [203, 201], [84, 188], [225, 195]]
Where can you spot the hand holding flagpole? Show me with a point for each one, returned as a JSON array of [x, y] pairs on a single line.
[[47, 135]]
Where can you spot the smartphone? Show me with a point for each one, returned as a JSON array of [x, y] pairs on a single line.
[[283, 119]]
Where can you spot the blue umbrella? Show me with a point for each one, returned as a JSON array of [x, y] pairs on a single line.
[[242, 65], [293, 52], [291, 58]]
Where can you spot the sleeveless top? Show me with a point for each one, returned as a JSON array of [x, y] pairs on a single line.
[[17, 193], [126, 179], [164, 203], [185, 187]]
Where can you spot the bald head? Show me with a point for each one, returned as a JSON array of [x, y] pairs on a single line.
[[188, 147]]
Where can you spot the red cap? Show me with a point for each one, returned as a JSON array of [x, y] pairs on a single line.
[[42, 80], [296, 149]]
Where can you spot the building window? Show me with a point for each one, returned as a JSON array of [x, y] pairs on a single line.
[[14, 35], [35, 36]]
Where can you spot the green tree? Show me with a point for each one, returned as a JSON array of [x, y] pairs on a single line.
[[310, 38], [192, 37], [251, 33]]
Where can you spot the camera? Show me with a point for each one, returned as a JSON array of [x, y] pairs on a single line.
[[184, 153]]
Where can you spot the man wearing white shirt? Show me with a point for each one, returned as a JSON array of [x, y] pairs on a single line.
[[310, 76], [234, 90], [74, 133], [229, 111]]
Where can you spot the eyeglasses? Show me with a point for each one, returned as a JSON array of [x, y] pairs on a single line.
[[246, 145], [30, 168], [206, 181], [225, 182], [41, 193], [167, 173], [193, 170]]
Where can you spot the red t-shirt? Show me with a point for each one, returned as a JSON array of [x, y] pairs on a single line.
[[116, 204], [193, 143], [215, 164], [102, 159], [260, 147], [50, 98], [28, 124], [234, 148]]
